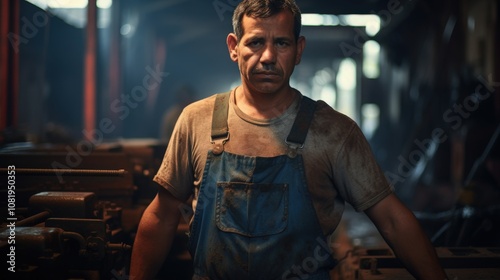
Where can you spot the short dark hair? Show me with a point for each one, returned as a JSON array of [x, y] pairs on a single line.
[[264, 9]]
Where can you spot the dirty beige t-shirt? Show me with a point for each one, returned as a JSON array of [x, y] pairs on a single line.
[[338, 161]]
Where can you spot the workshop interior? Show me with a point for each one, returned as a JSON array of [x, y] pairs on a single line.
[[90, 91]]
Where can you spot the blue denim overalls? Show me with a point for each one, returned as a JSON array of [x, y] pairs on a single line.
[[254, 218]]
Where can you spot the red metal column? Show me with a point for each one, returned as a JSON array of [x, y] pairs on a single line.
[[496, 75], [9, 63], [115, 63], [4, 57], [89, 86]]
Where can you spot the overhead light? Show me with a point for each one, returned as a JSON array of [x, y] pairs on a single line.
[[370, 114], [370, 22], [104, 4], [346, 76], [69, 4], [346, 86], [73, 12], [319, 20], [371, 57]]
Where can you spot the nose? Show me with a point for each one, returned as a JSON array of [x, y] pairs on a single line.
[[268, 54]]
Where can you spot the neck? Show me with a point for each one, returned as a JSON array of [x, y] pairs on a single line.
[[264, 105]]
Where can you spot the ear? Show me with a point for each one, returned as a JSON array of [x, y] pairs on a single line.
[[232, 46], [301, 44]]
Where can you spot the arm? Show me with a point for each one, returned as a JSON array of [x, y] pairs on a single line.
[[155, 234], [402, 231]]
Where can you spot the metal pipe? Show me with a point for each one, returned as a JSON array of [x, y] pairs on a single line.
[[118, 246], [483, 156], [69, 172], [79, 238], [33, 220]]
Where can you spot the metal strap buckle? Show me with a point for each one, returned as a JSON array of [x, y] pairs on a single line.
[[218, 144], [293, 148]]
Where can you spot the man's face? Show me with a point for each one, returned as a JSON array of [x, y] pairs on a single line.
[[267, 52]]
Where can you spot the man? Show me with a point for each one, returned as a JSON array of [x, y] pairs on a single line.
[[269, 171]]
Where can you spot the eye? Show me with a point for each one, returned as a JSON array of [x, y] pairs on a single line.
[[282, 43], [254, 43]]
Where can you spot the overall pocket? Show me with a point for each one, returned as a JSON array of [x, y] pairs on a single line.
[[252, 210]]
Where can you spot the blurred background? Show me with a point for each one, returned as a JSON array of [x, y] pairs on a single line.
[[97, 85]]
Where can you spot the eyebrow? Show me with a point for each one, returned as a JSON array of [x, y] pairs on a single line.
[[283, 39], [258, 37]]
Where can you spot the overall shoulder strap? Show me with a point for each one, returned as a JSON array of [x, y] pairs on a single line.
[[300, 127], [220, 130]]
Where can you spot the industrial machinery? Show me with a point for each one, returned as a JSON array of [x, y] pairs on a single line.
[[459, 263], [71, 212], [68, 235]]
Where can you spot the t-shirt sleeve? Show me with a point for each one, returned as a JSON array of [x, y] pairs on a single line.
[[176, 171], [359, 178]]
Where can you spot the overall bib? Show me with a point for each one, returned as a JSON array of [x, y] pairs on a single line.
[[254, 218]]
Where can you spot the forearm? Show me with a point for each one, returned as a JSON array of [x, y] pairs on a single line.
[[148, 256], [403, 233], [413, 248], [153, 241]]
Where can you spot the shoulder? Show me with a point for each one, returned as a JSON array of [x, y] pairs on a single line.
[[330, 122], [201, 106], [196, 116]]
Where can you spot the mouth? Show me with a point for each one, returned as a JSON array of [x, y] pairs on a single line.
[[269, 77], [266, 74]]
